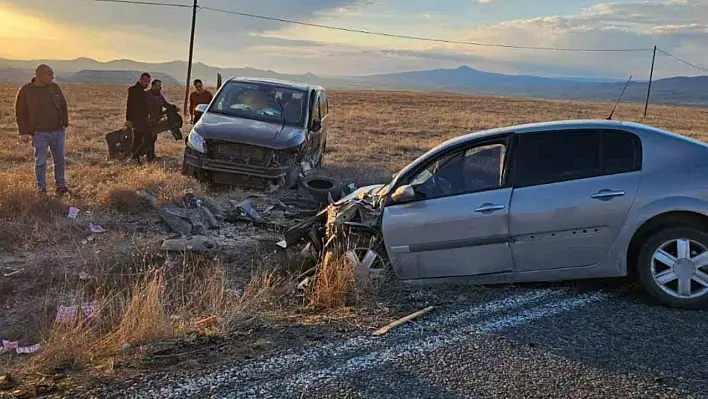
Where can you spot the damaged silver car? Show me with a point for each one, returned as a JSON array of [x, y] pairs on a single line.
[[539, 202], [258, 133]]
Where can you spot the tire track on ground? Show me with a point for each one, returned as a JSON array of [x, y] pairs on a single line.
[[274, 376]]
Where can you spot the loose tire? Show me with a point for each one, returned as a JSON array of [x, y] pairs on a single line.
[[673, 266], [321, 188]]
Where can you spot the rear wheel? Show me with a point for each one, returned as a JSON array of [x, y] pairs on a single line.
[[673, 266]]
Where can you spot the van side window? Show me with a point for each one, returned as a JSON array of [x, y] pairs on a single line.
[[315, 112], [324, 109]]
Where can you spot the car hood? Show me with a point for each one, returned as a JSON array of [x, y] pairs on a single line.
[[362, 193], [213, 126]]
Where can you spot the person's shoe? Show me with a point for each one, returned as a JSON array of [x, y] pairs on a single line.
[[133, 161], [154, 159], [41, 191], [61, 191]]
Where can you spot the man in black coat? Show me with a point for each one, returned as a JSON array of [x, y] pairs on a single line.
[[137, 114]]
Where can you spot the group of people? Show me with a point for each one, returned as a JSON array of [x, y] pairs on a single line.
[[41, 112]]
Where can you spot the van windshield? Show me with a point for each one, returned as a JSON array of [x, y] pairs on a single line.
[[262, 102]]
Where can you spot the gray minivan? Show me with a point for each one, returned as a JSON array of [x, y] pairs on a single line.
[[258, 133]]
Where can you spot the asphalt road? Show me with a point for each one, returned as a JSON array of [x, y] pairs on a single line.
[[553, 341]]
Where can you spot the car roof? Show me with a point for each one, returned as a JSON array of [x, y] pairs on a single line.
[[277, 82], [565, 125]]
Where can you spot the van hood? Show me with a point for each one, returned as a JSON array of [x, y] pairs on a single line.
[[213, 126]]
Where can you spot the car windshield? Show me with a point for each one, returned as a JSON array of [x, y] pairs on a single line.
[[262, 102]]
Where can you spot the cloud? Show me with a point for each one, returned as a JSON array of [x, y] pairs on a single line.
[[677, 26]]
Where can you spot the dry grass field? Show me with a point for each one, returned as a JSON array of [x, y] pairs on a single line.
[[372, 135]]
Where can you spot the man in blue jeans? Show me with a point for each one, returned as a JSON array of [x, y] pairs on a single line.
[[42, 118]]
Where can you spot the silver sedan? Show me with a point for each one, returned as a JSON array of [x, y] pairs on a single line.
[[553, 201]]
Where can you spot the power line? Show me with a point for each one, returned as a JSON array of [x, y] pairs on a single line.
[[427, 39], [375, 33], [144, 3], [683, 61]]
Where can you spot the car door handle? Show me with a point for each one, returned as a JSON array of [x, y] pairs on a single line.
[[489, 208], [607, 194]]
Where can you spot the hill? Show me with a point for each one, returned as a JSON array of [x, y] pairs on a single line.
[[117, 77], [675, 90]]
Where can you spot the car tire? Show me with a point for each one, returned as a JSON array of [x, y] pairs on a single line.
[[321, 188], [662, 280]]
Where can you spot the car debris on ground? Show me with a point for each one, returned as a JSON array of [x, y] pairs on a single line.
[[309, 227], [383, 330]]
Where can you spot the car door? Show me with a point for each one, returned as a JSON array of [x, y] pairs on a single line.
[[313, 137], [572, 193], [457, 223]]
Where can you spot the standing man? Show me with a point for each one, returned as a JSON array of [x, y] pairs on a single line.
[[199, 96], [137, 113], [156, 105], [42, 118]]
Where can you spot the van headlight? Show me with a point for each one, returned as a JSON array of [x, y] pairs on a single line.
[[196, 142]]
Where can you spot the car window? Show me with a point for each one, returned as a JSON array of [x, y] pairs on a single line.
[[315, 107], [620, 152], [545, 158], [466, 171], [323, 104], [558, 156], [261, 102]]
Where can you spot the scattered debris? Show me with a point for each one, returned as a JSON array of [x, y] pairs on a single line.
[[193, 243], [73, 212], [248, 211], [304, 283], [402, 320], [95, 228], [28, 349], [67, 314], [91, 309], [185, 221], [7, 346], [207, 322], [83, 276], [15, 272]]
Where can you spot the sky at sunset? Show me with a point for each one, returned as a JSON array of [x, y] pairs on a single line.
[[65, 29]]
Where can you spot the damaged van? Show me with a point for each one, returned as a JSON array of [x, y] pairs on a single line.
[[258, 133]]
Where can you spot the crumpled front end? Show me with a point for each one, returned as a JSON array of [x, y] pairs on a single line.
[[349, 227], [240, 164]]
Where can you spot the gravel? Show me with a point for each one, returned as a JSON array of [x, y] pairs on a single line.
[[506, 343]]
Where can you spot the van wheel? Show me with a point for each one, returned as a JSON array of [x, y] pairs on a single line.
[[673, 266]]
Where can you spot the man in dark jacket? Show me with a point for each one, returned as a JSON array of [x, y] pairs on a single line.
[[42, 118], [156, 109], [137, 113]]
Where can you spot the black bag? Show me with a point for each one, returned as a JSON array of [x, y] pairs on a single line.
[[119, 143], [172, 121]]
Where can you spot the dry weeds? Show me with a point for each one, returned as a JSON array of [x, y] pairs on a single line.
[[372, 135]]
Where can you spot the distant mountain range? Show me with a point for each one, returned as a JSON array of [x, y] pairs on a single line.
[[675, 90]]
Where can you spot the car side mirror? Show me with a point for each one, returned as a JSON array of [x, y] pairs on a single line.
[[403, 194], [316, 125], [201, 108]]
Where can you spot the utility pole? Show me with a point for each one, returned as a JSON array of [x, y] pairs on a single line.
[[651, 75], [191, 55]]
